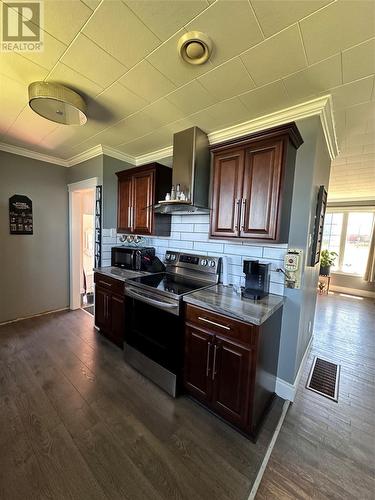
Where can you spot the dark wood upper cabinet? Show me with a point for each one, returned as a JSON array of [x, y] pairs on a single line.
[[139, 189], [252, 185]]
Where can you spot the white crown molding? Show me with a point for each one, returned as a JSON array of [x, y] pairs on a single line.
[[17, 150], [321, 106]]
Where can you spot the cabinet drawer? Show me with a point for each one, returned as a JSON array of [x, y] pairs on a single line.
[[110, 284], [221, 325]]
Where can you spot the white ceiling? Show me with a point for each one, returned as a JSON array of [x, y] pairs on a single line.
[[268, 55]]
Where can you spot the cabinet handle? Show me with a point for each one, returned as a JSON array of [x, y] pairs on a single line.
[[214, 365], [104, 283], [129, 217], [213, 323], [208, 359], [107, 308], [243, 210], [237, 213]]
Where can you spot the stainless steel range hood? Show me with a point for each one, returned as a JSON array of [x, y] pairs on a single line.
[[191, 170]]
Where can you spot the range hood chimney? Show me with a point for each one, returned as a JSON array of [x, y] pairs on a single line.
[[191, 170]]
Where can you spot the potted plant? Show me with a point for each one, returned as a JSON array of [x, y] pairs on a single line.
[[327, 258]]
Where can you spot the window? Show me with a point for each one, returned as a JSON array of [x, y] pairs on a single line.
[[348, 233]]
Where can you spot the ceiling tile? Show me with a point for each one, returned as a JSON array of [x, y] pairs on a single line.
[[165, 17], [191, 98], [30, 127], [61, 137], [48, 57], [315, 79], [147, 82], [83, 53], [222, 114], [93, 4], [359, 61], [337, 27], [353, 93], [119, 32], [64, 18], [131, 128], [275, 16], [265, 100], [227, 80], [162, 112], [151, 142], [275, 57], [231, 26], [166, 59], [13, 99], [20, 69], [67, 76], [116, 102]]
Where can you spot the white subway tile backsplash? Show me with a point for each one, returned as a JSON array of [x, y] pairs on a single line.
[[276, 288], [194, 236], [246, 251], [181, 244], [201, 228], [274, 252], [186, 228], [214, 247]]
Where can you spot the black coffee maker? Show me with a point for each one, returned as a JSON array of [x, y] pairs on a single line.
[[257, 280]]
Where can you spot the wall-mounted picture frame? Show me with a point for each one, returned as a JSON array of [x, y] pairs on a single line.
[[20, 215], [320, 213]]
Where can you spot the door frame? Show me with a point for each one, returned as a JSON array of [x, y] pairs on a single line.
[[74, 233]]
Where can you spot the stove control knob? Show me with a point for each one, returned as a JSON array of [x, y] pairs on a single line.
[[168, 257], [173, 256], [211, 263], [204, 262]]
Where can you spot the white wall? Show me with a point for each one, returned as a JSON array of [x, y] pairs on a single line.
[[190, 234]]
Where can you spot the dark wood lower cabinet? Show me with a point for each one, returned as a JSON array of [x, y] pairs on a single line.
[[230, 366], [110, 308]]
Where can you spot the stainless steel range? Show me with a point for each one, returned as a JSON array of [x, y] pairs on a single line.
[[154, 326]]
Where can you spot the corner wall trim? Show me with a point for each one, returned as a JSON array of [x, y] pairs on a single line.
[[285, 389], [34, 315]]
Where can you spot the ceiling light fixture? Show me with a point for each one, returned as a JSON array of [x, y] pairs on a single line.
[[194, 47], [57, 103]]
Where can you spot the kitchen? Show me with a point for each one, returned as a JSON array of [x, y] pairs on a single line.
[[194, 163]]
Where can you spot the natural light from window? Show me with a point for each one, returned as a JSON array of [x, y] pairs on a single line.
[[348, 233]]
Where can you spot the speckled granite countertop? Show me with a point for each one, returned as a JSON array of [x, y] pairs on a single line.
[[223, 300], [119, 274]]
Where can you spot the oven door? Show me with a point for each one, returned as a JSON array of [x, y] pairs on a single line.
[[157, 335]]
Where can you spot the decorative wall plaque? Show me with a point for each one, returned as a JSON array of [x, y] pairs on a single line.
[[321, 206], [20, 215]]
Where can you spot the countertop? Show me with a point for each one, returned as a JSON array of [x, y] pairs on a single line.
[[223, 300], [119, 274]]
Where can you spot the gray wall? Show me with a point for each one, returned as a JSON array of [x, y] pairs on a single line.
[[34, 268], [86, 170], [312, 170]]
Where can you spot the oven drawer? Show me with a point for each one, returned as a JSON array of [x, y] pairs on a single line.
[[110, 284], [221, 325]]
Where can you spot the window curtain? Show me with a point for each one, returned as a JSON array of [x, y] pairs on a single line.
[[369, 275]]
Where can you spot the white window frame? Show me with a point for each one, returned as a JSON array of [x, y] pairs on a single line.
[[346, 211]]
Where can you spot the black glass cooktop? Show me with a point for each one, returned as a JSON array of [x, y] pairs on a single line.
[[170, 283]]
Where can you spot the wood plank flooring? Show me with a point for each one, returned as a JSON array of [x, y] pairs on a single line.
[[77, 423], [326, 450]]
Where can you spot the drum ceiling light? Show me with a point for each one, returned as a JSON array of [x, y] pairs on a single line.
[[194, 47], [57, 103]]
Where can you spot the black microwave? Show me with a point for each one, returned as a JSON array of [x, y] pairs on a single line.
[[134, 258]]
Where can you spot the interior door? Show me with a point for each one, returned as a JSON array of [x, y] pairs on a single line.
[[143, 187], [261, 190], [124, 221], [198, 363], [231, 372], [226, 192]]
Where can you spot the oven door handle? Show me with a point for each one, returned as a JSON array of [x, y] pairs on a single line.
[[149, 300]]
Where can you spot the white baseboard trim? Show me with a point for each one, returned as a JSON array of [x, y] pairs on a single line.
[[267, 456], [33, 316], [285, 389], [353, 291]]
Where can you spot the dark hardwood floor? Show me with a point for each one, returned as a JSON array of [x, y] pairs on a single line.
[[77, 423], [326, 450]]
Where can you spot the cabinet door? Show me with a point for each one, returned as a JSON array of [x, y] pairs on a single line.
[[143, 188], [117, 306], [124, 215], [198, 363], [226, 192], [102, 314], [261, 191], [231, 374]]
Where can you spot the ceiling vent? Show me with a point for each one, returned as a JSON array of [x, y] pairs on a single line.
[[57, 103], [194, 47]]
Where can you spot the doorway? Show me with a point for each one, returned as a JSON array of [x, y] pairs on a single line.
[[82, 197]]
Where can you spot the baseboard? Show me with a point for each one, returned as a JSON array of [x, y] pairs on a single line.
[[353, 291], [33, 316], [285, 389]]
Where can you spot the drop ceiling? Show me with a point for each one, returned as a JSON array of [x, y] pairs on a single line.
[[268, 55]]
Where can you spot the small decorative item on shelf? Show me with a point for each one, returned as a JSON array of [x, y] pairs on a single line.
[[173, 193], [327, 258], [167, 197]]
